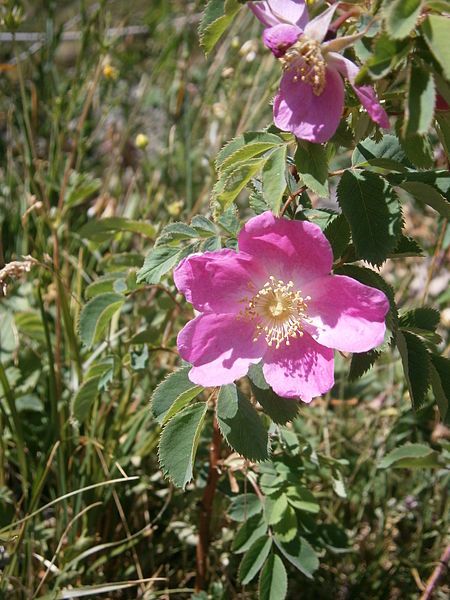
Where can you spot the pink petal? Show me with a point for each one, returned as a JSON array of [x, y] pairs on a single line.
[[287, 249], [217, 281], [345, 314], [318, 27], [220, 347], [281, 37], [365, 93], [303, 369], [272, 12], [262, 12], [309, 117]]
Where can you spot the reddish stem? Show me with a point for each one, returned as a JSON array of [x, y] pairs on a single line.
[[353, 12], [291, 198], [437, 574], [206, 506]]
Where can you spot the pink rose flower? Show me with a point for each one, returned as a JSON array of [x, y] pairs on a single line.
[[275, 300], [310, 101]]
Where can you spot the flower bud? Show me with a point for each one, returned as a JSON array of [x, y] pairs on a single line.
[[110, 72], [141, 141]]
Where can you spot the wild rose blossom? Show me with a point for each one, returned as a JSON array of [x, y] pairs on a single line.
[[276, 301], [310, 100]]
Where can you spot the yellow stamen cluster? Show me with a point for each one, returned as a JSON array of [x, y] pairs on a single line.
[[278, 310], [305, 58]]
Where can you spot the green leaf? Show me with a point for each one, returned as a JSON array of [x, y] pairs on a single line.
[[301, 554], [229, 221], [410, 456], [436, 30], [254, 559], [178, 444], [280, 410], [244, 506], [159, 261], [438, 5], [116, 262], [361, 363], [427, 194], [246, 146], [104, 370], [418, 150], [172, 394], [101, 229], [386, 153], [139, 360], [80, 188], [174, 233], [84, 399], [406, 247], [274, 178], [287, 527], [217, 16], [104, 284], [400, 16], [228, 150], [233, 181], [416, 366], [270, 486], [440, 380], [372, 209], [312, 166], [257, 203], [419, 108], [289, 441], [273, 580], [420, 318], [443, 129], [203, 226], [146, 336], [275, 508], [248, 533], [256, 376], [320, 216], [28, 323], [241, 425], [386, 55], [96, 316], [338, 234], [302, 499]]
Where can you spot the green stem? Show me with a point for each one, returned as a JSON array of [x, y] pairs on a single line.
[[10, 399]]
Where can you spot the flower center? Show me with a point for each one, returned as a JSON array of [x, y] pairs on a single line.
[[305, 57], [279, 311]]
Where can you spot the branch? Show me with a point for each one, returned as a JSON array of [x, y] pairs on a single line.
[[437, 574], [206, 506]]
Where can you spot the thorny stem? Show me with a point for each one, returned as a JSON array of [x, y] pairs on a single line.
[[206, 505], [437, 574]]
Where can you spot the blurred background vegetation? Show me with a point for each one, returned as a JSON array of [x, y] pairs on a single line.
[[127, 124]]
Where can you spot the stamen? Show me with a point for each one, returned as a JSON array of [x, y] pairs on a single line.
[[305, 58], [278, 310]]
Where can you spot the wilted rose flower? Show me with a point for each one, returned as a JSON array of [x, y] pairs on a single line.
[[310, 101], [275, 300]]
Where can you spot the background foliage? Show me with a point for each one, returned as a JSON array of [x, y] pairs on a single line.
[[351, 499]]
